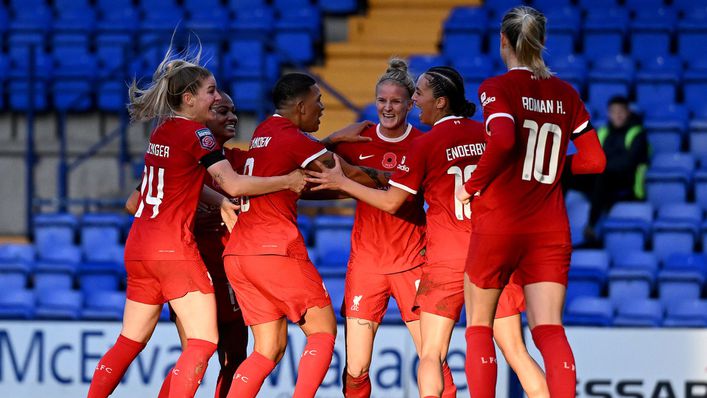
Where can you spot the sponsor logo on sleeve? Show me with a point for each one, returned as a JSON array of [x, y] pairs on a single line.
[[206, 139], [485, 101]]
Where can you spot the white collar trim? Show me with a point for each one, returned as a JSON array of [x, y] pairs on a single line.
[[397, 139], [276, 115], [444, 119], [521, 68]]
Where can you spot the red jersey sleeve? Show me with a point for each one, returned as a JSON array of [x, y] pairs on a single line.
[[411, 171], [202, 141], [494, 102], [304, 148], [580, 118], [236, 157]]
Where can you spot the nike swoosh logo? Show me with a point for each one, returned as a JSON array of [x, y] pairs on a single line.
[[361, 157]]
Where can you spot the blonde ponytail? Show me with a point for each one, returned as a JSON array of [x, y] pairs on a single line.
[[525, 29]]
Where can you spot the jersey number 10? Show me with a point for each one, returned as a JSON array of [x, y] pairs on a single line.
[[535, 153], [460, 177], [148, 176]]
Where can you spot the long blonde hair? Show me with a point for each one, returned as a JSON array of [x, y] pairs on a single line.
[[163, 96], [525, 29]]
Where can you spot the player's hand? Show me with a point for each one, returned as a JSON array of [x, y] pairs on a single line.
[[228, 213], [296, 182], [350, 133], [327, 178], [462, 195]]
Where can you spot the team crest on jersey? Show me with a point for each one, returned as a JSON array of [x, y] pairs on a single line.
[[485, 101], [206, 139], [390, 160]]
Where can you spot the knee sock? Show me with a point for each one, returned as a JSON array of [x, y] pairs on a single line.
[[314, 364], [190, 368], [481, 363], [559, 361], [250, 376], [357, 387], [112, 367], [164, 390], [450, 390]]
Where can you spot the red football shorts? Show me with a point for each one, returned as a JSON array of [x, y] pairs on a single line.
[[536, 257], [158, 281], [511, 302], [366, 294], [441, 290], [270, 287]]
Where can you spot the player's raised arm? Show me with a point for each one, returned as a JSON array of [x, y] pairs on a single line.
[[334, 178], [238, 185]]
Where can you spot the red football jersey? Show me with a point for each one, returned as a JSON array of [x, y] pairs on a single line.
[[381, 242], [437, 163], [268, 223], [525, 196], [163, 228]]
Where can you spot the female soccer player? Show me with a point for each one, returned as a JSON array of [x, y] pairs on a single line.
[[387, 251], [161, 257], [266, 259], [519, 217], [435, 163]]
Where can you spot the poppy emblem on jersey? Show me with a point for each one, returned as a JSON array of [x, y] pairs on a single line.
[[390, 160], [206, 139]]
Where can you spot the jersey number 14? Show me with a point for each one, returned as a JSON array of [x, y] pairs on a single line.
[[148, 176]]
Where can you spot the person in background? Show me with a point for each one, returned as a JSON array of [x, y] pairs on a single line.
[[626, 148]]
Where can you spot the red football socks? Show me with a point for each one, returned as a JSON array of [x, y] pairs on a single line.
[[164, 390], [250, 376], [314, 364], [357, 387], [481, 366], [450, 390], [190, 368], [559, 361], [112, 367]]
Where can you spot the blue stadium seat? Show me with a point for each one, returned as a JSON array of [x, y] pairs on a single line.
[[700, 178], [597, 4], [210, 23], [339, 6], [17, 251], [253, 22], [59, 304], [651, 32], [99, 229], [632, 275], [102, 305], [335, 288], [499, 7], [686, 313], [571, 68], [578, 214], [306, 228], [78, 17], [295, 44], [668, 118], [610, 76], [12, 280], [56, 229], [332, 239], [45, 281], [695, 81], [676, 229], [669, 177], [687, 6], [111, 96], [239, 5], [474, 69], [16, 304], [639, 313], [604, 31], [627, 227], [68, 254], [692, 33], [90, 282], [392, 314], [589, 311], [682, 277], [420, 63], [117, 16], [587, 275], [562, 31], [464, 32], [165, 314], [657, 82]]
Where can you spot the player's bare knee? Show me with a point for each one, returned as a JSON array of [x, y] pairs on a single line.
[[357, 368]]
